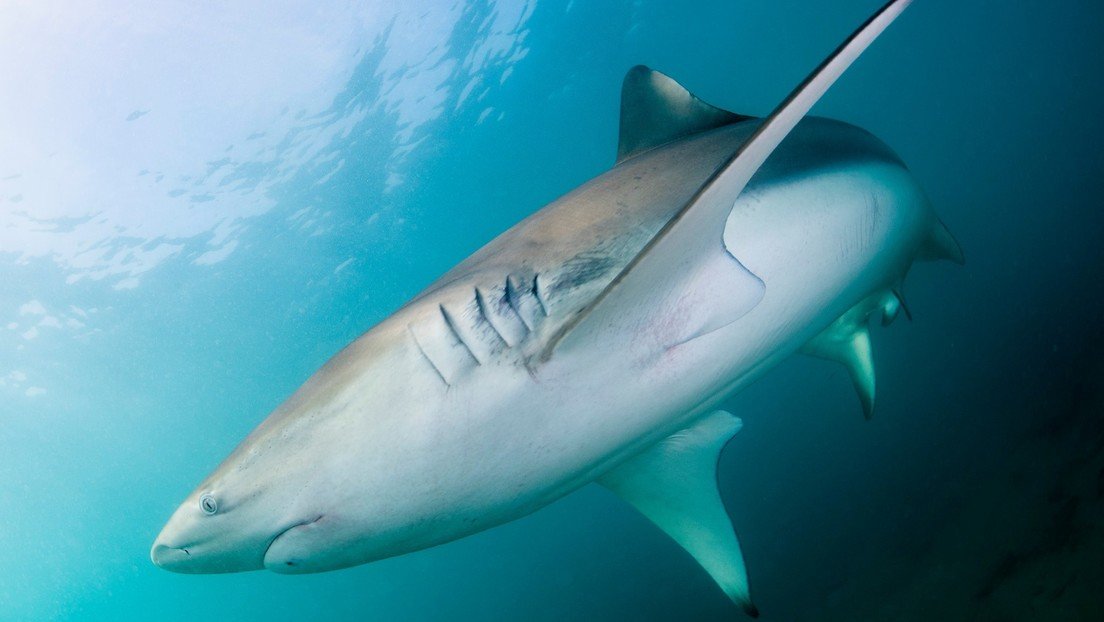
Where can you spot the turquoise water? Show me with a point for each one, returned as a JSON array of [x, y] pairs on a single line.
[[199, 205]]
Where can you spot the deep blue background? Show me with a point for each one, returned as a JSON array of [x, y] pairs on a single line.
[[139, 342]]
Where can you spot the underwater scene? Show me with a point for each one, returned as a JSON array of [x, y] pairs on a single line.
[[757, 348]]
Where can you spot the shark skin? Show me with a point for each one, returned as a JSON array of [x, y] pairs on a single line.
[[537, 366]]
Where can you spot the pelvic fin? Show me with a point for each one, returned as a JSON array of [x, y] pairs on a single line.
[[847, 341]]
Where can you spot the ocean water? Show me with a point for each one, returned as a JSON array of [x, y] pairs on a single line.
[[201, 202]]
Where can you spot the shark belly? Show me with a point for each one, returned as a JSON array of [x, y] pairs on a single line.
[[581, 415]]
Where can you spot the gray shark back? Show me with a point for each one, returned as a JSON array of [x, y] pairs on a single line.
[[567, 253]]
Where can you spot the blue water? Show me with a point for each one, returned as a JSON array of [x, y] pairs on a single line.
[[199, 204]]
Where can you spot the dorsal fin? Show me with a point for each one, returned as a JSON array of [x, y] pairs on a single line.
[[655, 110], [655, 273]]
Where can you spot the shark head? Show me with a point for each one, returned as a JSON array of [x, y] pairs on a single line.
[[289, 498], [234, 518], [218, 528]]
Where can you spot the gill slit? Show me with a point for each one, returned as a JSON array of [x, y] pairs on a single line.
[[422, 351], [537, 295], [481, 306], [451, 324], [512, 302]]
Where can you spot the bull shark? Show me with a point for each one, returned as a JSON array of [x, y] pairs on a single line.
[[591, 342]]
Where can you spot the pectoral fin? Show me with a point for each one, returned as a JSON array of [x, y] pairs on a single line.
[[696, 230], [674, 484]]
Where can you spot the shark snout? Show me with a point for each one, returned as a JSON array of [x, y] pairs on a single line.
[[195, 543], [213, 556], [170, 557]]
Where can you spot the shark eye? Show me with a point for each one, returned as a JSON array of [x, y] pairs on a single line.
[[208, 505]]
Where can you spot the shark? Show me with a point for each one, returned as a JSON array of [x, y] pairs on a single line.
[[594, 341]]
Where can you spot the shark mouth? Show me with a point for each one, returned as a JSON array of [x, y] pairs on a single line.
[[285, 564]]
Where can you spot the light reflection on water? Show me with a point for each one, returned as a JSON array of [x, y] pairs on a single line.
[[173, 128]]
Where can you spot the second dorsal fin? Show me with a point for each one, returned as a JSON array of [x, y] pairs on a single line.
[[655, 110]]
